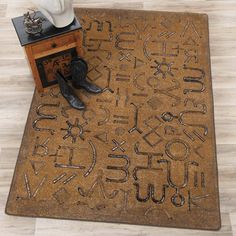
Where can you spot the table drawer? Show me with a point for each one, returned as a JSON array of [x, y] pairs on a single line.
[[53, 43]]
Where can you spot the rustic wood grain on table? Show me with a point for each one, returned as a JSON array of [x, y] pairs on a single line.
[[17, 89]]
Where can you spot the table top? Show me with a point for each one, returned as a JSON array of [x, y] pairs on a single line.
[[49, 30]]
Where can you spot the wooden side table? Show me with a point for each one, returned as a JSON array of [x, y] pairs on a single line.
[[51, 50]]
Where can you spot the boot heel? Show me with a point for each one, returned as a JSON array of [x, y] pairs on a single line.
[[68, 93]]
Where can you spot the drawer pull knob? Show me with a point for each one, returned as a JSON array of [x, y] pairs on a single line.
[[54, 45]]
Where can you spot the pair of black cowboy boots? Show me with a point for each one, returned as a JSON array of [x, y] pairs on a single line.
[[79, 70]]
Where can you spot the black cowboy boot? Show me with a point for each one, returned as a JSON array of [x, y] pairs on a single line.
[[68, 93], [79, 70]]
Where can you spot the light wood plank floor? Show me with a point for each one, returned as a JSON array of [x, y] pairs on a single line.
[[17, 89]]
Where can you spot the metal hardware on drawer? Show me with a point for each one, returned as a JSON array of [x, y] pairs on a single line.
[[54, 45]]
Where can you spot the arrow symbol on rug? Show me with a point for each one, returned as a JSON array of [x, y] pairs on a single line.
[[138, 63], [190, 42], [102, 137]]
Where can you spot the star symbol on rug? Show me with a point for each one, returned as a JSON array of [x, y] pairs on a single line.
[[75, 130], [164, 68]]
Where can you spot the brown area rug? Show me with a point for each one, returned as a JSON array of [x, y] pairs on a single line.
[[144, 150]]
